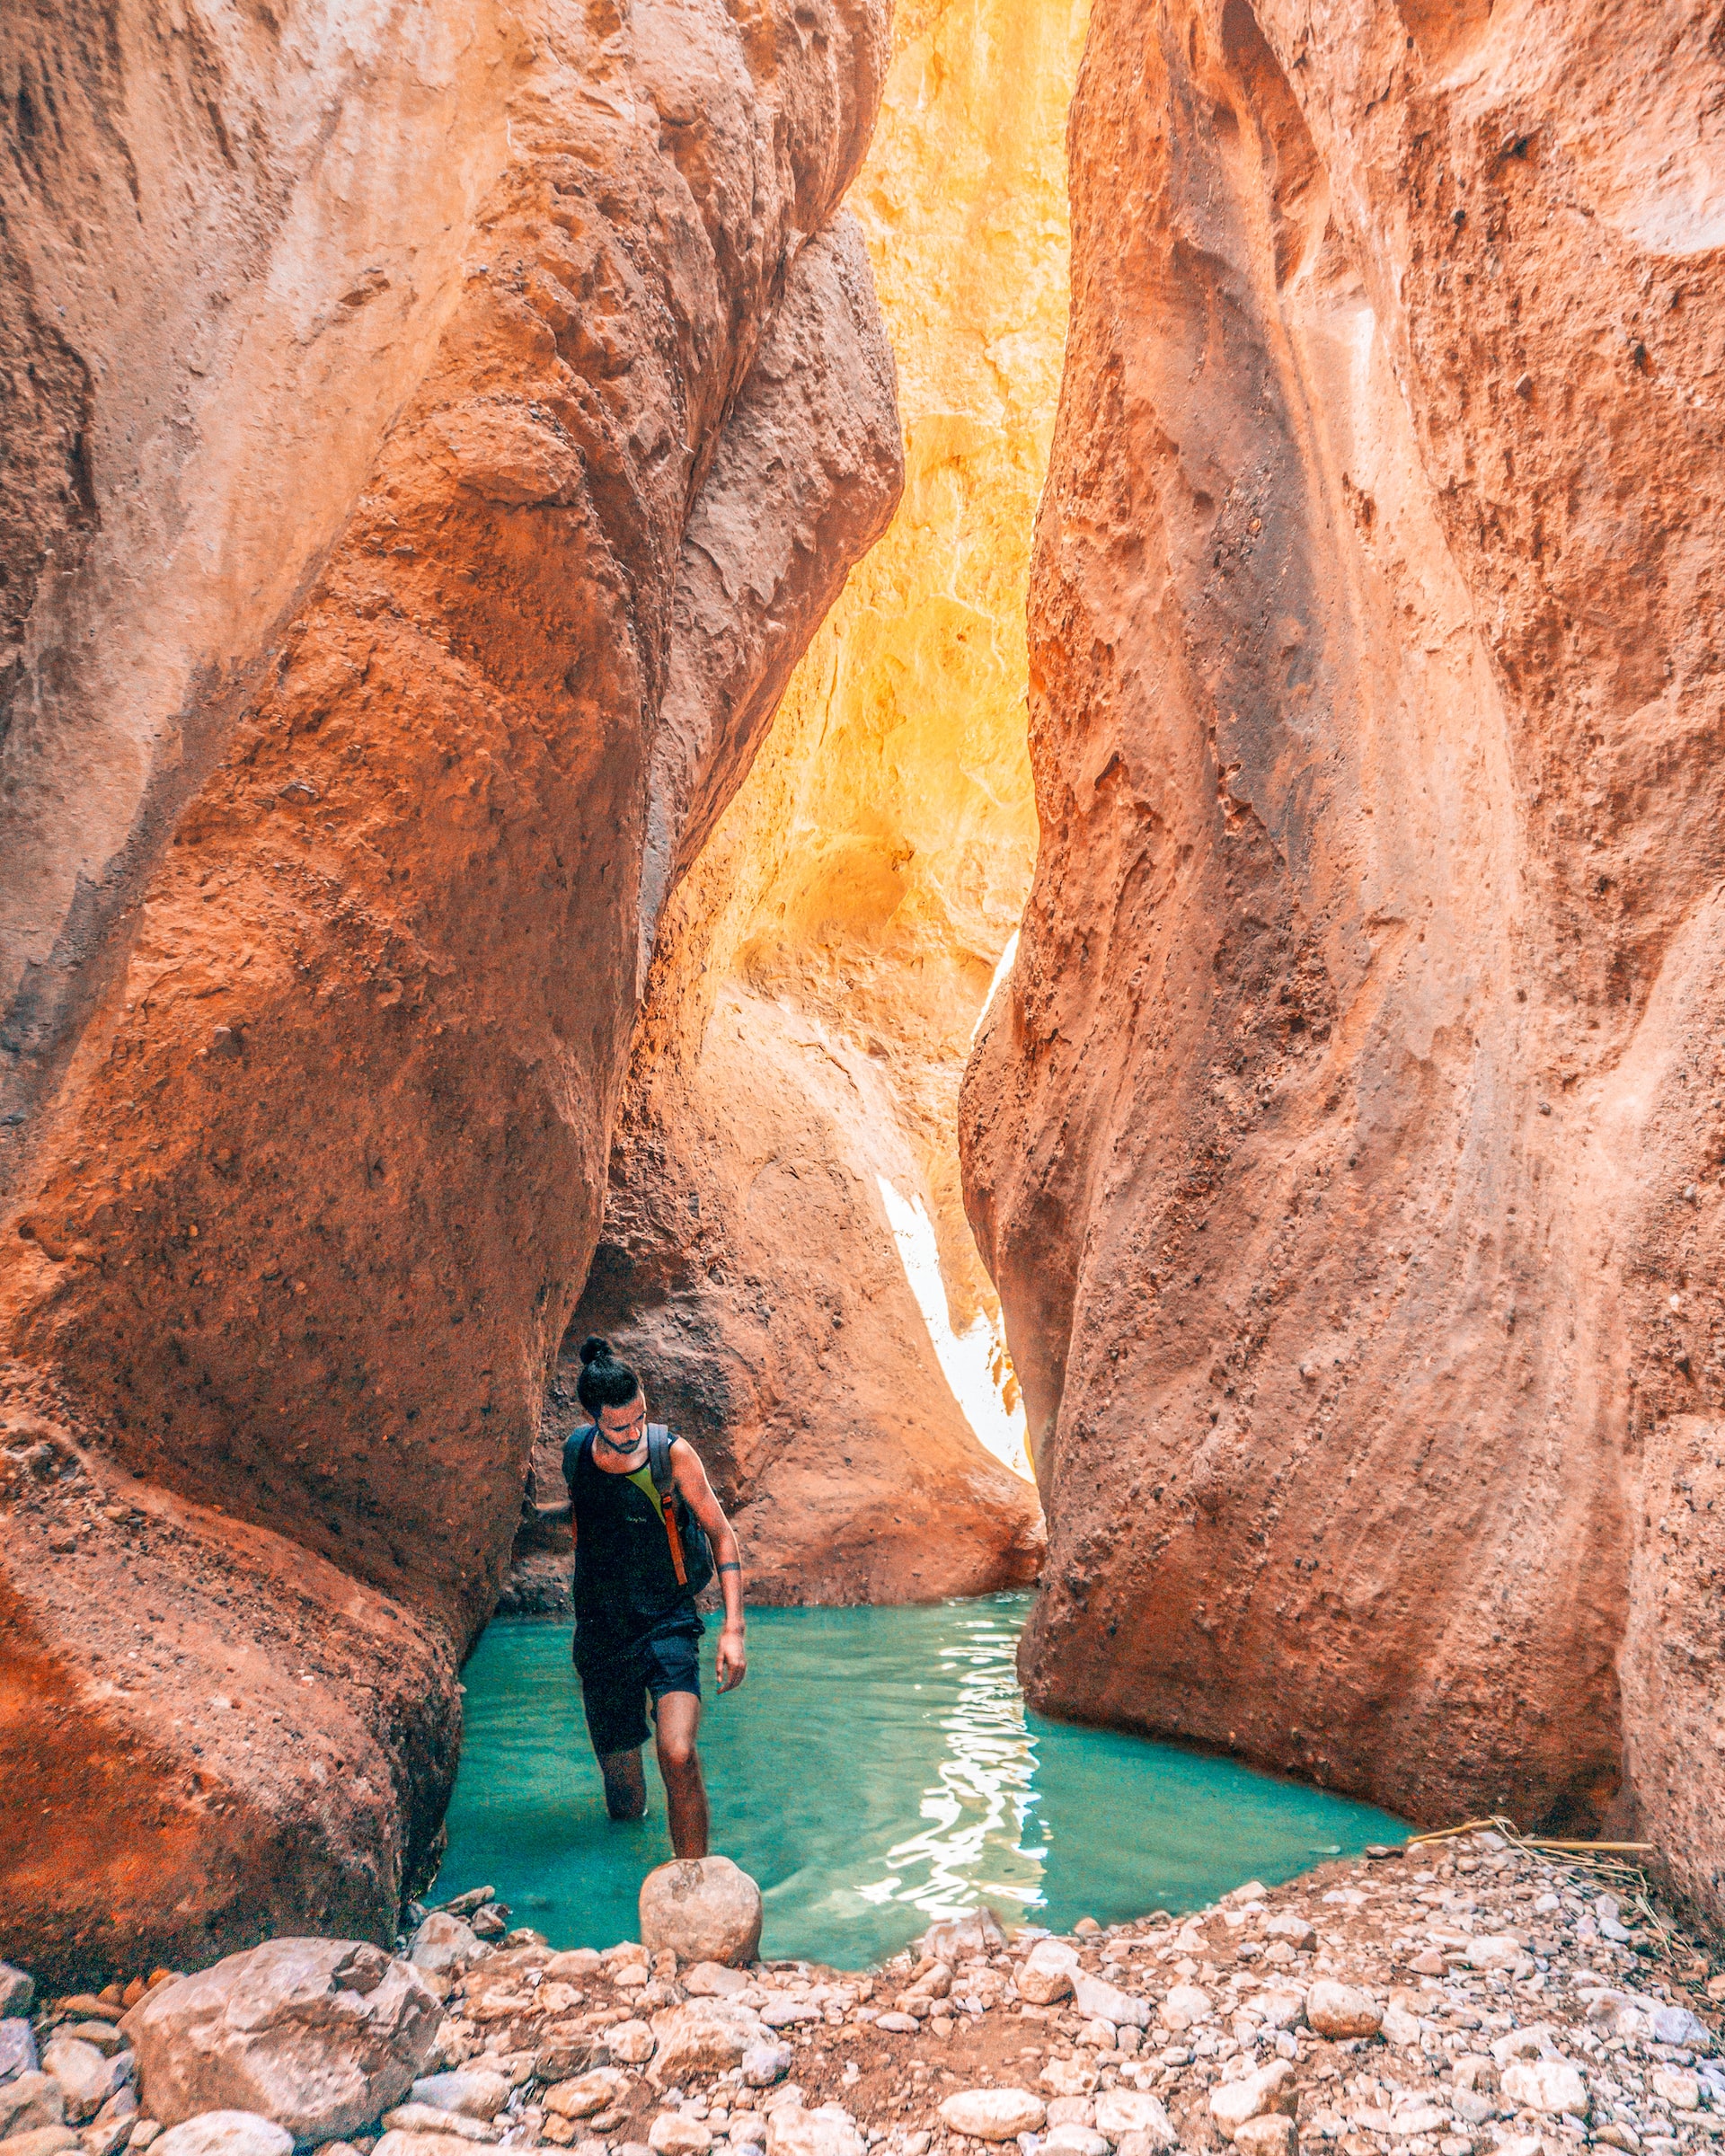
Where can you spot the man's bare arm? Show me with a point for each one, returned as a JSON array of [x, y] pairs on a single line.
[[696, 1492]]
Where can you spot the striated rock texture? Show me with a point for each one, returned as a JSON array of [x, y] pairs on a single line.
[[437, 441], [1346, 1149], [788, 1139]]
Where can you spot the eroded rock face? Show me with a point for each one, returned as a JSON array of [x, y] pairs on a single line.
[[1346, 1148], [414, 544], [789, 1132]]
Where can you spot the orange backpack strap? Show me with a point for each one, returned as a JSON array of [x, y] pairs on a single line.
[[659, 1458]]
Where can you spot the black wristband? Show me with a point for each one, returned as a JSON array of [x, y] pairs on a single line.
[[730, 1567]]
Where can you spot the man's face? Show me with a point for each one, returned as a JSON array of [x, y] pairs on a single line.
[[621, 1430]]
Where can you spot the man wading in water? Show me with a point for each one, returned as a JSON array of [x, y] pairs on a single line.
[[639, 1564]]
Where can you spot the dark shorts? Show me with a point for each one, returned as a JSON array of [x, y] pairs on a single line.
[[615, 1686]]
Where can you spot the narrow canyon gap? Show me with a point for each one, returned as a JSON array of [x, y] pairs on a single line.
[[785, 1254], [1346, 1144], [435, 445]]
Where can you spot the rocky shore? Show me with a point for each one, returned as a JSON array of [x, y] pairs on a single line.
[[1451, 1999]]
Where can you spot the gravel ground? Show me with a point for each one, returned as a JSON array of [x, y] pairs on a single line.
[[1501, 1996]]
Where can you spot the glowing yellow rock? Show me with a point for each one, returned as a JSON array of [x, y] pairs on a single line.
[[788, 1143]]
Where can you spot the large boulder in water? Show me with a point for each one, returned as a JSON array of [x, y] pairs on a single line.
[[703, 1908], [320, 2035]]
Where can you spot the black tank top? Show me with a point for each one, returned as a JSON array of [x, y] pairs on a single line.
[[626, 1583]]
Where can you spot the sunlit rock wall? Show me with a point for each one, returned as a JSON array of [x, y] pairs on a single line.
[[1347, 1148], [431, 437], [788, 1141]]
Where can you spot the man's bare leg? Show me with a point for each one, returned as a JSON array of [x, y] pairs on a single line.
[[625, 1784], [679, 1765]]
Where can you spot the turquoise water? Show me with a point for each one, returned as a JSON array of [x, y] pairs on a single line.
[[877, 1769]]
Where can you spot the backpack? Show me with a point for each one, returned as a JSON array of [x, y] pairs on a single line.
[[691, 1552]]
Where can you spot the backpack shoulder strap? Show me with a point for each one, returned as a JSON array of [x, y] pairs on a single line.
[[658, 1456]]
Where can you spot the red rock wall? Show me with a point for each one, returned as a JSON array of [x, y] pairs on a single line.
[[441, 441], [1346, 1149]]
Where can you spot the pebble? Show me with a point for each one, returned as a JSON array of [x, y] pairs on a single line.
[[17, 2048], [993, 2113], [39, 2141], [428, 2118], [226, 2133], [473, 2091], [673, 2134]]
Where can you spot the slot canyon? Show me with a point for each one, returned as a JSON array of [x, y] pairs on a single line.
[[997, 729]]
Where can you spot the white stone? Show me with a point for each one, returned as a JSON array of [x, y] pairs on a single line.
[[226, 2133], [572, 1966], [322, 2035], [444, 1942], [1401, 2027], [1340, 2009], [673, 2134], [88, 2079], [1107, 2002], [703, 1908], [401, 2141], [1285, 1924], [789, 2013], [956, 1939], [1534, 2043], [830, 2131], [1279, 2010], [586, 2093], [993, 2113], [702, 2035], [29, 2102], [1069, 2077], [713, 1980], [1185, 2005], [764, 2063], [1271, 2133], [1418, 2118], [1676, 2025], [1047, 1972], [428, 2118], [1075, 2141], [472, 2090], [1682, 2091], [1072, 2111], [1120, 2112], [1494, 1950], [632, 2042], [1547, 2085], [1270, 2089]]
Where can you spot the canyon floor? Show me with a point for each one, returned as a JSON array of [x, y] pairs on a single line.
[[1449, 1998]]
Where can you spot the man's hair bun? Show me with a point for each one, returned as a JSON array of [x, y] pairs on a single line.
[[595, 1350]]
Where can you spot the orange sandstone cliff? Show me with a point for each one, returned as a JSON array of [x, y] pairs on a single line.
[[785, 1252], [434, 443], [1347, 1145]]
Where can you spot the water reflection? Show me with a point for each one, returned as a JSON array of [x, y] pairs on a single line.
[[977, 1808]]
